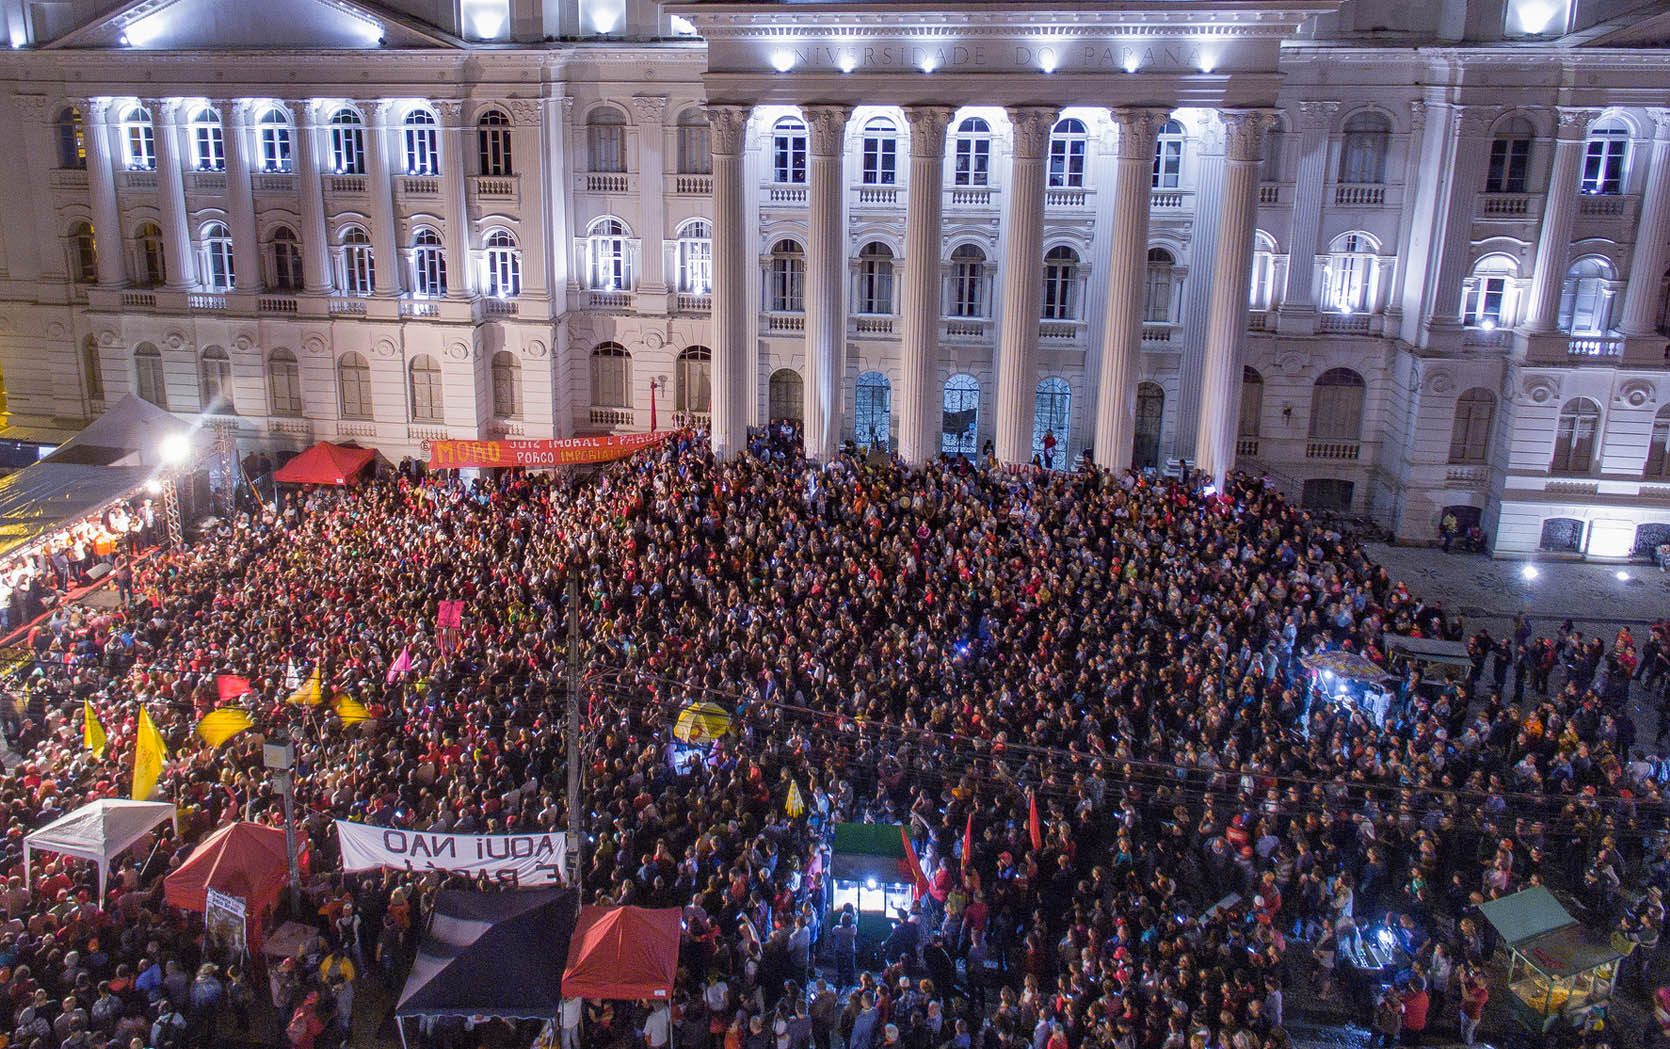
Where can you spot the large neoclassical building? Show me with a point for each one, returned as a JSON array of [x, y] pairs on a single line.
[[1399, 255]]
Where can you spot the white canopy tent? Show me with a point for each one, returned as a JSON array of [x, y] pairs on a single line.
[[98, 831]]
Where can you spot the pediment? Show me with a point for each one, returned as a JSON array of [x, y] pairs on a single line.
[[253, 25]]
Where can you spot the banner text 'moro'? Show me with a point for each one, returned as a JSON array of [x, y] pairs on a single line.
[[572, 451]]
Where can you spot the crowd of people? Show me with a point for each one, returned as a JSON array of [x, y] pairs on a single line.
[[35, 580], [949, 648]]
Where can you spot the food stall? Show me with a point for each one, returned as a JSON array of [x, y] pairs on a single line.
[[700, 724], [1433, 657], [1348, 678], [1559, 970], [868, 869]]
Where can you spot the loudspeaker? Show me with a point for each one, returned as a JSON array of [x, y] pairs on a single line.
[[98, 572]]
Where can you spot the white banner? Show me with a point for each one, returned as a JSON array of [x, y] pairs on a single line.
[[512, 859]]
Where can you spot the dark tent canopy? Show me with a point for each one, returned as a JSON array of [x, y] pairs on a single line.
[[325, 463], [492, 954], [51, 495]]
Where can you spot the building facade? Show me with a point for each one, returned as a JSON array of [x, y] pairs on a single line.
[[1407, 259]]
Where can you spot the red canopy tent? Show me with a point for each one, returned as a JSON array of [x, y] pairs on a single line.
[[325, 463], [623, 953], [245, 860]]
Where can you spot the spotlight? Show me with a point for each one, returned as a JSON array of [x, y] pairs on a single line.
[[1622, 576], [1529, 572]]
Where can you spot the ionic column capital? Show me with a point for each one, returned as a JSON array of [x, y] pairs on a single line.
[[1032, 126], [1244, 133], [1139, 127], [826, 129], [728, 125], [927, 129]]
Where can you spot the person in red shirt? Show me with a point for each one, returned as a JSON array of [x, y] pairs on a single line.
[[1475, 991], [1415, 1002]]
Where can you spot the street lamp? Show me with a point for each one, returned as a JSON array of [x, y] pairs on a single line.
[[174, 451], [278, 754]]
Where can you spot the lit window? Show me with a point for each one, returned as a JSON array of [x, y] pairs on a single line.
[[208, 141], [788, 151], [1367, 136], [276, 140], [1068, 141], [1061, 266], [875, 279], [881, 152], [72, 139], [428, 264], [1605, 156], [493, 143], [1351, 274], [218, 272], [1510, 157], [358, 267], [786, 293], [606, 140], [695, 258], [504, 265], [968, 282], [286, 253], [606, 245], [139, 142], [1586, 298], [347, 142], [1168, 156], [422, 139], [974, 153]]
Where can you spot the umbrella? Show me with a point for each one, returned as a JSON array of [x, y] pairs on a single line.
[[701, 721], [1348, 666]]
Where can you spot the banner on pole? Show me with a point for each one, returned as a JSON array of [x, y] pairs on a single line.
[[572, 451], [225, 923], [510, 859]]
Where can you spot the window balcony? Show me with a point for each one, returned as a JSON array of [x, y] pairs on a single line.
[[496, 189], [277, 304], [70, 179], [1605, 205], [1333, 451], [1360, 195], [605, 182], [1594, 347], [347, 307], [1062, 198], [610, 416], [1270, 194], [610, 300], [274, 183], [1261, 320], [1058, 331], [878, 196], [785, 322], [1168, 199], [1508, 205], [139, 300], [420, 309], [491, 307], [425, 434], [694, 303], [1487, 338], [1346, 323], [1466, 476], [785, 195], [205, 182], [967, 327], [1158, 334], [356, 428], [693, 185], [970, 196], [418, 187], [215, 301], [1247, 446], [872, 324], [136, 181], [346, 185]]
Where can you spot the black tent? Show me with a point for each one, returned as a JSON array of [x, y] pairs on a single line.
[[492, 954]]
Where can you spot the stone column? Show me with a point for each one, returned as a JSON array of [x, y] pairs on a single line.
[[385, 253], [1297, 310], [171, 193], [652, 202], [728, 126], [1023, 282], [455, 140], [528, 154], [1226, 323], [1116, 385], [1542, 307], [1470, 135], [826, 282], [920, 405], [1646, 267], [240, 197], [316, 268], [101, 182]]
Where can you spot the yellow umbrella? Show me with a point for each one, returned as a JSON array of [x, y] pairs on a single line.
[[701, 722]]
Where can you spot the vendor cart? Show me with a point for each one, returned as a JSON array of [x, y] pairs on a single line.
[[1436, 659], [1559, 970], [1348, 679]]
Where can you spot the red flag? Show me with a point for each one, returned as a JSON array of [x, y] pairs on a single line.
[[968, 843], [911, 868], [230, 687], [652, 426], [1033, 825]]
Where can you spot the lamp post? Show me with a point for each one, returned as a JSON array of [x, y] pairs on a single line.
[[174, 451], [278, 754]]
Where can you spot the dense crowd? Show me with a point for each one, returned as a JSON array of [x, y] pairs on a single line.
[[941, 648]]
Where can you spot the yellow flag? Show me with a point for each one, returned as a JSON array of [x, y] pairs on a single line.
[[148, 755], [310, 694], [91, 730], [351, 710], [218, 726], [796, 804]]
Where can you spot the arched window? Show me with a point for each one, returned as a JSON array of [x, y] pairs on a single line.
[[1275, 150], [881, 152], [1148, 426], [428, 397], [347, 142], [973, 143], [92, 369], [147, 242], [873, 411], [493, 143], [1574, 437], [358, 266], [875, 279], [1510, 157], [1252, 403], [1068, 141], [606, 249], [507, 386], [968, 282], [423, 143], [1606, 156], [277, 137], [1351, 274], [214, 379], [285, 253], [1586, 297], [72, 139], [218, 271], [695, 154], [428, 264], [788, 151], [84, 257], [1061, 297], [1362, 155], [1658, 452], [1336, 406], [1486, 293], [606, 140], [1168, 156], [694, 391], [1159, 292], [353, 385], [960, 411], [149, 382], [139, 142], [1261, 291], [208, 140], [504, 265], [787, 396], [284, 383], [1475, 411], [787, 292], [695, 257], [611, 376], [1052, 413]]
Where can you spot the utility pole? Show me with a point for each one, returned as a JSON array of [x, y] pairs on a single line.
[[574, 801]]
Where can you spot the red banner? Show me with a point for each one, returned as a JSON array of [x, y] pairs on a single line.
[[452, 455]]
